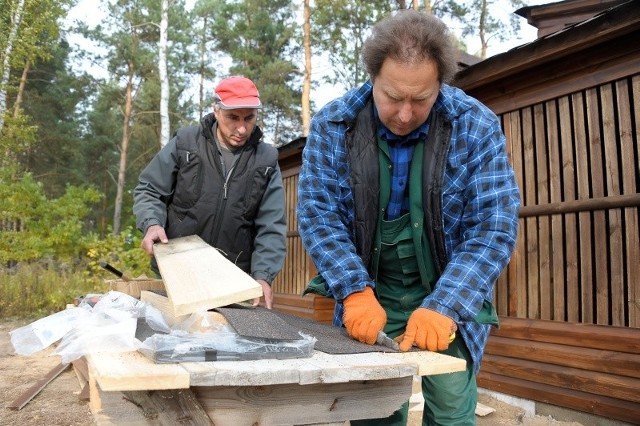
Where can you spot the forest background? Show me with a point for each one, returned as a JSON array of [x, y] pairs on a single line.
[[80, 120]]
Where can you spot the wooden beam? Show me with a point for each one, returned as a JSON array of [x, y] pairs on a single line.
[[620, 339], [591, 382], [599, 405], [571, 354], [591, 204], [30, 393]]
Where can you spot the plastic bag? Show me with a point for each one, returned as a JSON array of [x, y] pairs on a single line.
[[224, 345], [111, 327], [46, 331]]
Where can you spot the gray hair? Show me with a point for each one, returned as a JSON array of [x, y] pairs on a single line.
[[410, 37]]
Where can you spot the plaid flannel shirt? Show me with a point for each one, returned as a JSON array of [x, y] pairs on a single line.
[[480, 202]]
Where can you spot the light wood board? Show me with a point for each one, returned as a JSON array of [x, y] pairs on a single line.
[[165, 307], [134, 371], [197, 277]]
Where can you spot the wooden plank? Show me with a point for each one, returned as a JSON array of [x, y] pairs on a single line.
[[197, 277], [570, 220], [600, 277], [320, 368], [584, 218], [531, 229], [593, 382], [629, 185], [619, 339], [133, 371], [542, 189], [483, 410], [599, 405], [24, 398], [575, 356], [429, 363], [556, 183], [610, 141], [308, 404], [518, 288], [81, 369], [164, 305]]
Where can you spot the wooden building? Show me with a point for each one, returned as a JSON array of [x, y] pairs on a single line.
[[569, 301]]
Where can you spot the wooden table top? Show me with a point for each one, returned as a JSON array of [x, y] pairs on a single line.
[[131, 371]]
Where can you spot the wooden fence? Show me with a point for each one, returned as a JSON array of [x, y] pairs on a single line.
[[577, 159]]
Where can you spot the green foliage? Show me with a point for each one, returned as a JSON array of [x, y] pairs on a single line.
[[260, 37], [36, 227], [339, 28], [38, 290], [122, 251], [51, 101], [17, 137]]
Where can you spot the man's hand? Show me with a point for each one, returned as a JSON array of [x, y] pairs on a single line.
[[363, 316], [427, 329], [268, 295], [154, 234]]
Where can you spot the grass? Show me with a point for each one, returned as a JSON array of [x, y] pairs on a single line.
[[32, 291]]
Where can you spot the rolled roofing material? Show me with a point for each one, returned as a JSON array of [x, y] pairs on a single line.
[[269, 324]]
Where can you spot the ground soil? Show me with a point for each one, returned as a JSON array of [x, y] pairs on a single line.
[[58, 403]]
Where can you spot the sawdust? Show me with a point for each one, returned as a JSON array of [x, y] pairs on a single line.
[[58, 403]]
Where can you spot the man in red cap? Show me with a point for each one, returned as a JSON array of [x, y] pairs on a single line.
[[220, 181]]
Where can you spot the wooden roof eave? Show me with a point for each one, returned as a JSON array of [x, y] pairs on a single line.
[[612, 24]]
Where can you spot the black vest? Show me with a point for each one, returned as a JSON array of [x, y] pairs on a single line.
[[222, 214], [362, 152]]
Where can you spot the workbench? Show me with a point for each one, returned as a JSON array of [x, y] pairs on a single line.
[[128, 388]]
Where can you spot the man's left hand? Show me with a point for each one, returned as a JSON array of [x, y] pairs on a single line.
[[268, 295], [427, 329]]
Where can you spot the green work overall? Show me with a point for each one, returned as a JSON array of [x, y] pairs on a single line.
[[404, 273]]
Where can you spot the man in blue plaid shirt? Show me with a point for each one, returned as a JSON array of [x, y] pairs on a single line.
[[408, 207]]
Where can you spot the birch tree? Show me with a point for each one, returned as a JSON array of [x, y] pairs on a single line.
[[15, 19], [164, 78]]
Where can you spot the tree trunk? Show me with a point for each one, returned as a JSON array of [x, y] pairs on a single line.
[[126, 133], [481, 29], [203, 50], [164, 79], [306, 88], [23, 83], [16, 19]]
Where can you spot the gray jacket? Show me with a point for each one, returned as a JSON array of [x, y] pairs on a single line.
[[184, 190]]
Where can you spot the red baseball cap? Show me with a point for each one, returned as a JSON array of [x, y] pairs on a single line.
[[237, 92]]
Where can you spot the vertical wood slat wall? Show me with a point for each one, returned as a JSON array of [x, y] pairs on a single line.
[[576, 264], [298, 268]]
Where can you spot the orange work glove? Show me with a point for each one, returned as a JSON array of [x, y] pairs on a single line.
[[363, 316], [427, 329]]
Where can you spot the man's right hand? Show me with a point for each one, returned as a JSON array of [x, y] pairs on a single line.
[[363, 316], [155, 233]]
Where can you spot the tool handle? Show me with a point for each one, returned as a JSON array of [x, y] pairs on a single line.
[[113, 270]]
